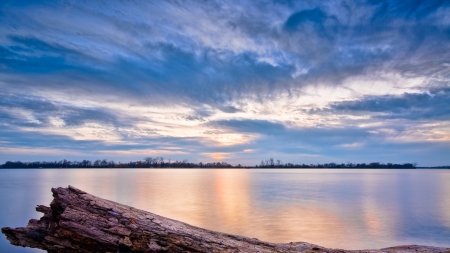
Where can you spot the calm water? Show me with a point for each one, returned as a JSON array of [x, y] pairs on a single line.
[[351, 209]]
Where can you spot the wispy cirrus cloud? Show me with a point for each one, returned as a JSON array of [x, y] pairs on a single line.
[[430, 105]]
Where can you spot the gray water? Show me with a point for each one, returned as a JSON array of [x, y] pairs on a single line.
[[350, 209]]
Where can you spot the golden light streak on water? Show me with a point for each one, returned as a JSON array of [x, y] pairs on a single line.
[[233, 200]]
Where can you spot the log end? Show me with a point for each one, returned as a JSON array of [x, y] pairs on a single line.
[[24, 237]]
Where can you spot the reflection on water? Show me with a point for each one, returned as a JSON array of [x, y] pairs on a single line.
[[444, 201], [351, 209]]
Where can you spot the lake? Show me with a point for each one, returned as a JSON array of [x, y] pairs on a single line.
[[348, 208]]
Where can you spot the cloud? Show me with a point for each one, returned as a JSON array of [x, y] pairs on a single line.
[[252, 126], [412, 106], [334, 50], [40, 111], [311, 78], [31, 55], [386, 10], [229, 109], [313, 21], [315, 15], [174, 74], [275, 136]]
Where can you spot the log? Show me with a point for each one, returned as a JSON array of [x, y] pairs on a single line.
[[80, 222]]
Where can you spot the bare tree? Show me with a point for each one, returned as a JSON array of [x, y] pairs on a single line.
[[155, 161], [161, 162], [148, 160]]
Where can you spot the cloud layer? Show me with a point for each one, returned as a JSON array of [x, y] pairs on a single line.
[[331, 81]]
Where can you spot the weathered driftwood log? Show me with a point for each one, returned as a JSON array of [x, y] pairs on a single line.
[[80, 222]]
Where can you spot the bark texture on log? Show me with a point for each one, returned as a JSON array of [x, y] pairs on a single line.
[[80, 222]]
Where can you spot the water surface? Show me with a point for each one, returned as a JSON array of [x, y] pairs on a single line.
[[350, 209]]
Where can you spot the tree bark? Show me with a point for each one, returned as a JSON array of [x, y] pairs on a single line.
[[80, 222]]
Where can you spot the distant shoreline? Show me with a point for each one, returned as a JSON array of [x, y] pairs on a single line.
[[240, 168], [160, 162]]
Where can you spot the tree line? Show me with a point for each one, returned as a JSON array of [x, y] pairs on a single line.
[[147, 162], [271, 163], [160, 162]]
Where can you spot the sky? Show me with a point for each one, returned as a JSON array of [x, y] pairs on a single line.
[[234, 81]]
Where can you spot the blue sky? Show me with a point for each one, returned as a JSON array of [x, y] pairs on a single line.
[[236, 81]]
